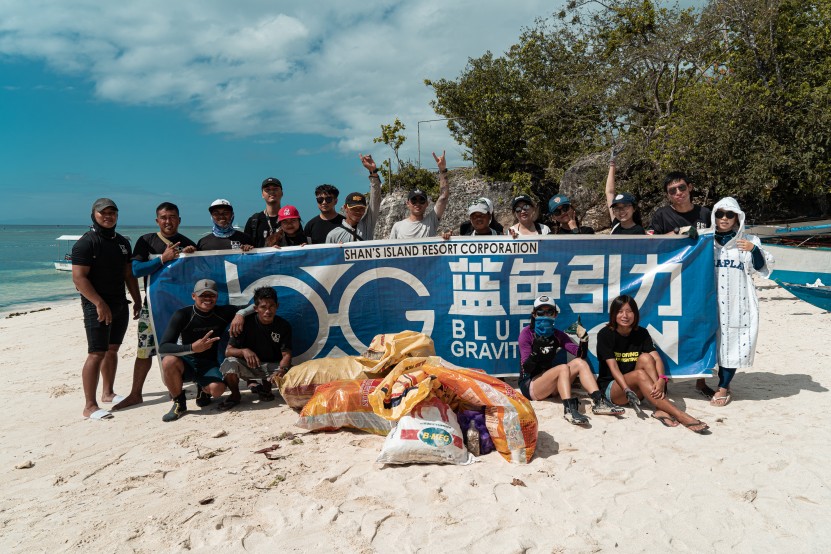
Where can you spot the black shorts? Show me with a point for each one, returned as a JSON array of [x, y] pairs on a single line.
[[525, 387], [100, 335]]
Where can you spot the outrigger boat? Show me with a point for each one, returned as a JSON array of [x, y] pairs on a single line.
[[65, 263], [803, 259]]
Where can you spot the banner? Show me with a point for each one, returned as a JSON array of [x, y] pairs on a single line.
[[472, 295]]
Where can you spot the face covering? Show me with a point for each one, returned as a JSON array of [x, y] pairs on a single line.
[[103, 231], [224, 232], [544, 326]]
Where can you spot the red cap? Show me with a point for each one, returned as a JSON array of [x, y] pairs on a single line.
[[288, 212]]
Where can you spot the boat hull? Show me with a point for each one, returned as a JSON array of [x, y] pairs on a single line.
[[804, 272]]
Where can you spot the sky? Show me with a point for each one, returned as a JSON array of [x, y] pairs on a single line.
[[150, 101]]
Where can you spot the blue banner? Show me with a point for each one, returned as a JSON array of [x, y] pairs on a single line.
[[471, 295]]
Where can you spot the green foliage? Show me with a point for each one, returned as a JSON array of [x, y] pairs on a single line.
[[392, 137], [411, 177]]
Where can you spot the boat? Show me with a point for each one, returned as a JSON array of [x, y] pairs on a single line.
[[802, 254], [64, 263]]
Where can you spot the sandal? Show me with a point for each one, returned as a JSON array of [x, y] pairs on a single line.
[[666, 420], [228, 403], [694, 423], [721, 401]]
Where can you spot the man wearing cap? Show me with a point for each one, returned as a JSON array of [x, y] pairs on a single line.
[[564, 218], [466, 228], [681, 214], [152, 252], [360, 213], [327, 202], [189, 347], [100, 270], [261, 225], [223, 235], [420, 222], [262, 349]]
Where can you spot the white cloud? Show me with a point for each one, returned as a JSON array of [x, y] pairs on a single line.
[[248, 68]]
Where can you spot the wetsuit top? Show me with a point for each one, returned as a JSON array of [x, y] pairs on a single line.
[[150, 244], [187, 325], [268, 342], [106, 258]]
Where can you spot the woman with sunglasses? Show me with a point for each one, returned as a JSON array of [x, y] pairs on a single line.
[[525, 214], [626, 217], [737, 257], [564, 218], [542, 374], [632, 370]]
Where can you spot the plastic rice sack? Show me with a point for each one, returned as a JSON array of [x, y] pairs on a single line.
[[385, 351], [343, 403], [430, 434], [300, 383]]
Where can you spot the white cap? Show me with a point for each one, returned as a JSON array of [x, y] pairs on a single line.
[[220, 202], [545, 301], [479, 206]]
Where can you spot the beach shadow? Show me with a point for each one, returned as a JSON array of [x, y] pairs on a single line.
[[755, 385], [546, 446]]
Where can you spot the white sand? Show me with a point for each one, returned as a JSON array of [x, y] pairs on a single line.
[[759, 482]]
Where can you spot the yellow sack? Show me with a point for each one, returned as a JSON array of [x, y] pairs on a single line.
[[385, 351], [300, 383]]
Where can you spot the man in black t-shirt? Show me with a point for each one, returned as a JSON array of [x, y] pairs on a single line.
[[100, 270], [152, 252], [681, 212], [319, 226], [223, 235], [261, 226], [189, 347], [262, 348]]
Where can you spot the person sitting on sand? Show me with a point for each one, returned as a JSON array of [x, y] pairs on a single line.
[[541, 376], [260, 350], [189, 347], [525, 214], [626, 217], [100, 270], [737, 256], [166, 244], [631, 369]]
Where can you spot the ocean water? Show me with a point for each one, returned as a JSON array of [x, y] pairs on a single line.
[[27, 253]]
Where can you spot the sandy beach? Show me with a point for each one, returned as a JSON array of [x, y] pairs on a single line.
[[758, 482]]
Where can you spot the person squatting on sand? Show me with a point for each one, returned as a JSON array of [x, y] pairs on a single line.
[[261, 349], [100, 269], [631, 369], [737, 257], [541, 376], [421, 223], [167, 244], [189, 347]]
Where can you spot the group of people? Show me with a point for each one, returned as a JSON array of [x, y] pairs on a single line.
[[105, 264]]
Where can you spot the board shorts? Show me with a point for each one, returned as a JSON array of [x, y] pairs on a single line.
[[146, 337], [201, 372], [238, 367], [100, 335], [608, 394]]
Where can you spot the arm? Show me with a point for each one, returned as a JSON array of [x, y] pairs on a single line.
[[659, 388], [143, 268], [250, 357], [610, 188], [444, 187], [80, 278], [168, 341]]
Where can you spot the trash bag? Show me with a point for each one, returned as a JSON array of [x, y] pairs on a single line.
[[343, 403]]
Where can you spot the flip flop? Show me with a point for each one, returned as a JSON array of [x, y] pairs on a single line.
[[665, 420], [116, 399], [100, 414], [227, 404], [694, 423], [720, 401], [706, 392]]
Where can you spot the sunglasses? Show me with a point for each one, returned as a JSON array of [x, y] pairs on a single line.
[[418, 200], [672, 190], [523, 208], [720, 214], [325, 199], [561, 210], [546, 311]]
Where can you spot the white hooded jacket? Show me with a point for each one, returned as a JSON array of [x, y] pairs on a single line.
[[738, 306]]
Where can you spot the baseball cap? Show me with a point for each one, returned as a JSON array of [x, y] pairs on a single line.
[[557, 201], [272, 182], [288, 212], [478, 206], [102, 204], [486, 201], [355, 199], [219, 202], [416, 193], [545, 300], [204, 285], [623, 198], [522, 198]]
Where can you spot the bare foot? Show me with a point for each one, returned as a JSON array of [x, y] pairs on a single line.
[[131, 400], [107, 398]]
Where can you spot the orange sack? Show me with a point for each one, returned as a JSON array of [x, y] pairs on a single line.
[[343, 403]]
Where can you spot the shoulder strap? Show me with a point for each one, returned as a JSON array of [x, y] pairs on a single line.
[[163, 238], [350, 231]]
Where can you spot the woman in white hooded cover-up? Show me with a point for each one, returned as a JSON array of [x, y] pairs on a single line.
[[737, 257]]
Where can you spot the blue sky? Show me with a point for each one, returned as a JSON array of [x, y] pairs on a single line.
[[150, 100]]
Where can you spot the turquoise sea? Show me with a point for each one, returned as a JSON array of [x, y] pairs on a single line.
[[27, 253]]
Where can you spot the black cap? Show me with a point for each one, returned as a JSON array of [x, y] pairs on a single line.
[[522, 198], [416, 193], [272, 182], [355, 199]]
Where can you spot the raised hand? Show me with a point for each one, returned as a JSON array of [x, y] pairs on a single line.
[[369, 163], [441, 161]]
